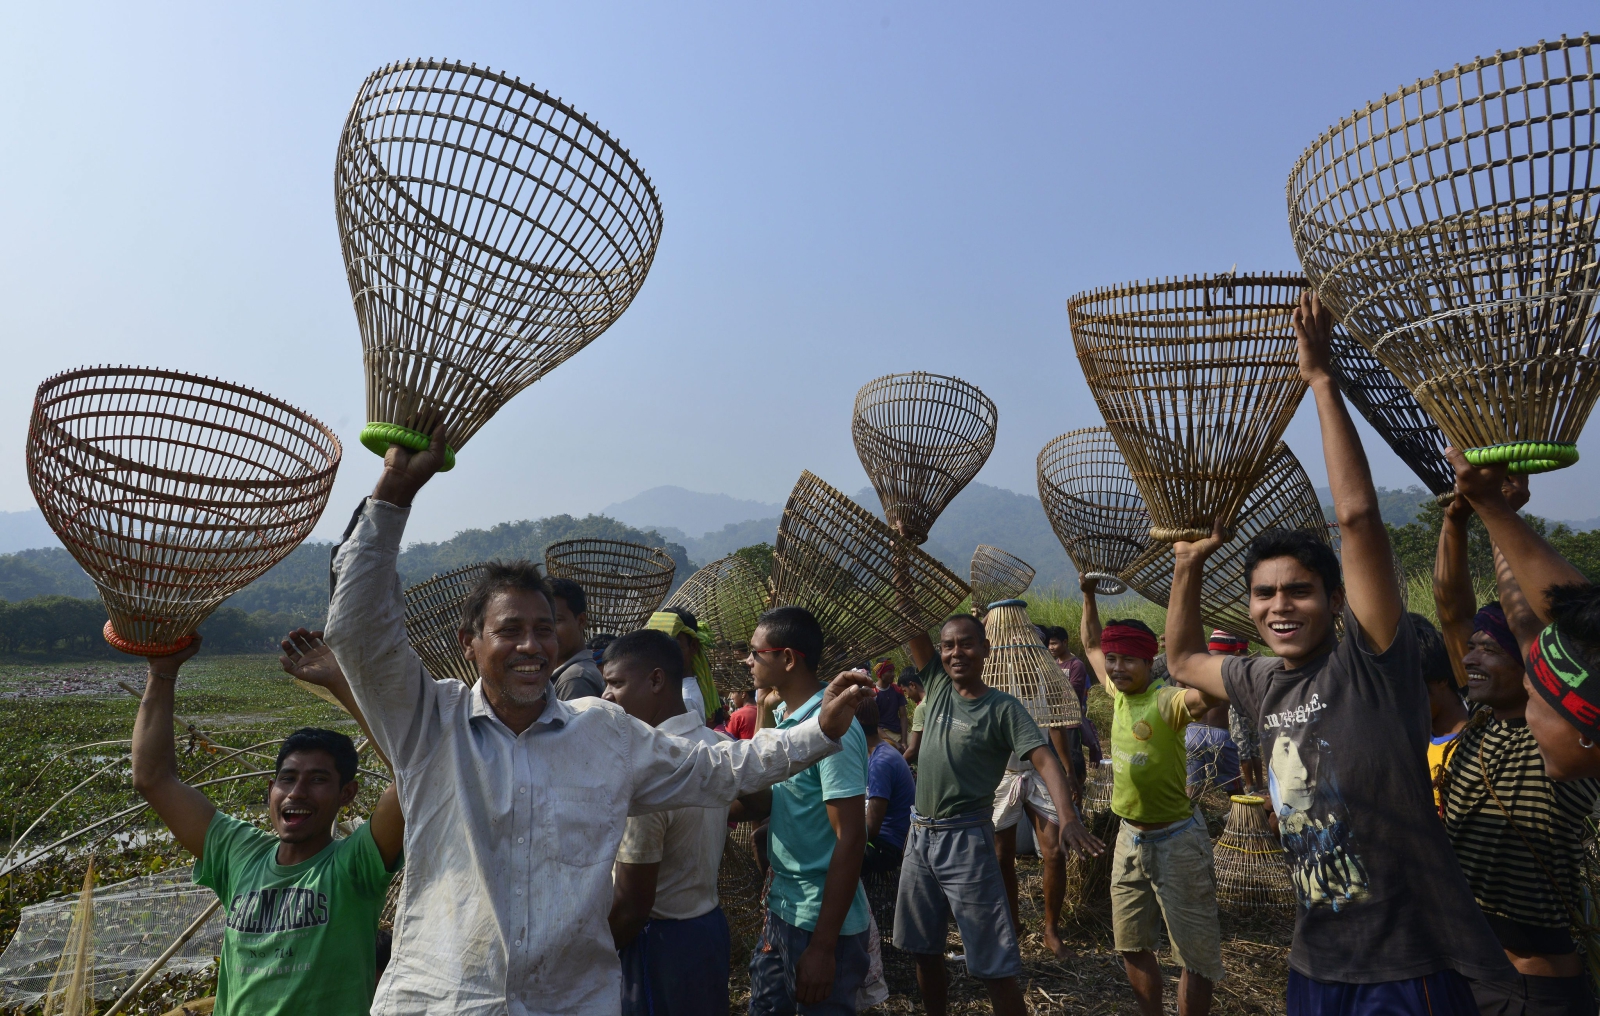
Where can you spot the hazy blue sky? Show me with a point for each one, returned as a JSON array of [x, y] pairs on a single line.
[[849, 190]]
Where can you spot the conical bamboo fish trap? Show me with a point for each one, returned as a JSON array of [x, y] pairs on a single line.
[[1093, 505], [997, 575], [870, 590], [1097, 788], [1196, 379], [1020, 665], [1393, 412], [1282, 499], [623, 582], [726, 597], [490, 231], [1252, 875], [433, 619], [173, 491], [921, 438], [1451, 226]]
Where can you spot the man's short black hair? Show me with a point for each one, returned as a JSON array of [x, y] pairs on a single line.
[[652, 648], [983, 633], [686, 614], [499, 576], [794, 628], [571, 594], [1436, 668], [867, 715], [1301, 544], [911, 675], [1055, 632], [1575, 611], [334, 743], [598, 643], [1131, 622]]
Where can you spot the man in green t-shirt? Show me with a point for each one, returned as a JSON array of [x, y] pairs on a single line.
[[301, 908], [1162, 866], [969, 732]]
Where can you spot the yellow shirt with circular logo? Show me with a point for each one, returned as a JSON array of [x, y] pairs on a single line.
[[1148, 756]]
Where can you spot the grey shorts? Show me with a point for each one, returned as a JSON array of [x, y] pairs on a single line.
[[949, 868], [1167, 875]]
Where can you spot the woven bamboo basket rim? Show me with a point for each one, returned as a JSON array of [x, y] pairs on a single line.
[[619, 601], [1254, 799], [1071, 511], [434, 615], [998, 574]]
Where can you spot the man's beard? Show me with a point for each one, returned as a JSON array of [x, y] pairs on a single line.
[[518, 696]]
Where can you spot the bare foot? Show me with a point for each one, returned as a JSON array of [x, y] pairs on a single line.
[[1052, 941]]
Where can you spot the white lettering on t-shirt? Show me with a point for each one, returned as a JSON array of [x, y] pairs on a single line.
[[1296, 717]]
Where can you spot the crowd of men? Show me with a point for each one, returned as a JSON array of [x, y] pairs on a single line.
[[563, 819]]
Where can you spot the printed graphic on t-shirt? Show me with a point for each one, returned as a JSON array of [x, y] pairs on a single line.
[[1313, 820]]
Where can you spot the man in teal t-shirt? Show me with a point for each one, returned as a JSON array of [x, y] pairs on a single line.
[[301, 908]]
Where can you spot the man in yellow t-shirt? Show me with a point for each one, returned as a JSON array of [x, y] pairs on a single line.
[[1162, 867]]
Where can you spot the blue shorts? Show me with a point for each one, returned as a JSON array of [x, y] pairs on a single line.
[[677, 968], [950, 869], [772, 977], [1443, 993]]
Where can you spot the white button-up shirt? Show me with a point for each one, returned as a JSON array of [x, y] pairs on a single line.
[[510, 838]]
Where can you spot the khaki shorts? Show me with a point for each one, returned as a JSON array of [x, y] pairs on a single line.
[[1017, 789], [1167, 874]]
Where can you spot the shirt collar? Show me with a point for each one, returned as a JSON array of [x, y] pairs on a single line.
[[556, 712], [682, 725], [804, 710]]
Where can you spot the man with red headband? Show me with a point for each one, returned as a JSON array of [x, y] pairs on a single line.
[[1162, 868]]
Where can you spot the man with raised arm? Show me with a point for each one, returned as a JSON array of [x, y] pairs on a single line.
[[516, 799], [1386, 921]]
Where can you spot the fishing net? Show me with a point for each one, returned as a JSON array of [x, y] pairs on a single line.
[[1252, 875]]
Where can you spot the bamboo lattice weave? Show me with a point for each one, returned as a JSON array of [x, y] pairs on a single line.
[[1093, 504], [1282, 499], [624, 583], [870, 590], [997, 575], [490, 231], [726, 597], [1196, 379], [433, 619], [1252, 874], [1451, 226], [921, 438], [1020, 665], [173, 491], [1393, 412]]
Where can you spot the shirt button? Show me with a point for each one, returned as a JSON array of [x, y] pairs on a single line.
[[519, 839], [519, 890], [522, 790]]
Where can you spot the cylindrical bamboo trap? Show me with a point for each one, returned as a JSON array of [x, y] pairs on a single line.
[[1020, 665], [173, 491], [997, 575], [1282, 499], [726, 597], [1252, 874], [1093, 505], [490, 231], [921, 438], [741, 890], [1097, 787], [1393, 412], [433, 619], [870, 590], [623, 582], [1451, 226], [1196, 378]]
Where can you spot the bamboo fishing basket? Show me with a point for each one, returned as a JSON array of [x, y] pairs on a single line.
[[997, 575], [1393, 412], [1093, 505], [434, 613], [1252, 873], [870, 590], [741, 890], [1197, 379], [1020, 665], [173, 491], [1282, 499], [623, 582], [921, 438], [1097, 788], [1451, 226], [490, 231], [727, 596]]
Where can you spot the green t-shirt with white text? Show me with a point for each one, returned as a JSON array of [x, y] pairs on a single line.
[[966, 744]]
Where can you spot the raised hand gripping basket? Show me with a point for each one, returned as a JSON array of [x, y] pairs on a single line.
[[490, 231], [997, 575], [1451, 227], [433, 617], [1020, 665], [921, 438], [623, 582], [1282, 499], [727, 596], [173, 491], [870, 590], [1252, 875], [1093, 505], [1196, 379], [1393, 412]]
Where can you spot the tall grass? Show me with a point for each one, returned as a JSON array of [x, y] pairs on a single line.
[[1052, 606]]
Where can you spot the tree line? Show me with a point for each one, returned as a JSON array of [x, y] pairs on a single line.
[[67, 624]]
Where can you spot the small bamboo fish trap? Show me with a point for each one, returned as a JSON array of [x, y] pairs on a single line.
[[870, 590], [1393, 412], [1196, 378], [173, 491], [726, 596], [1097, 788], [921, 438], [1252, 875], [1451, 226], [1093, 505], [741, 890], [997, 575], [433, 619], [490, 231], [623, 582], [1282, 499], [1020, 665]]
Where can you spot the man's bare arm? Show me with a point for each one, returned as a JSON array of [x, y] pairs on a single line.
[[1452, 585], [308, 658], [921, 649], [814, 971], [633, 894], [1524, 623], [1075, 835], [389, 826], [1187, 659], [877, 808], [1089, 633], [185, 810]]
